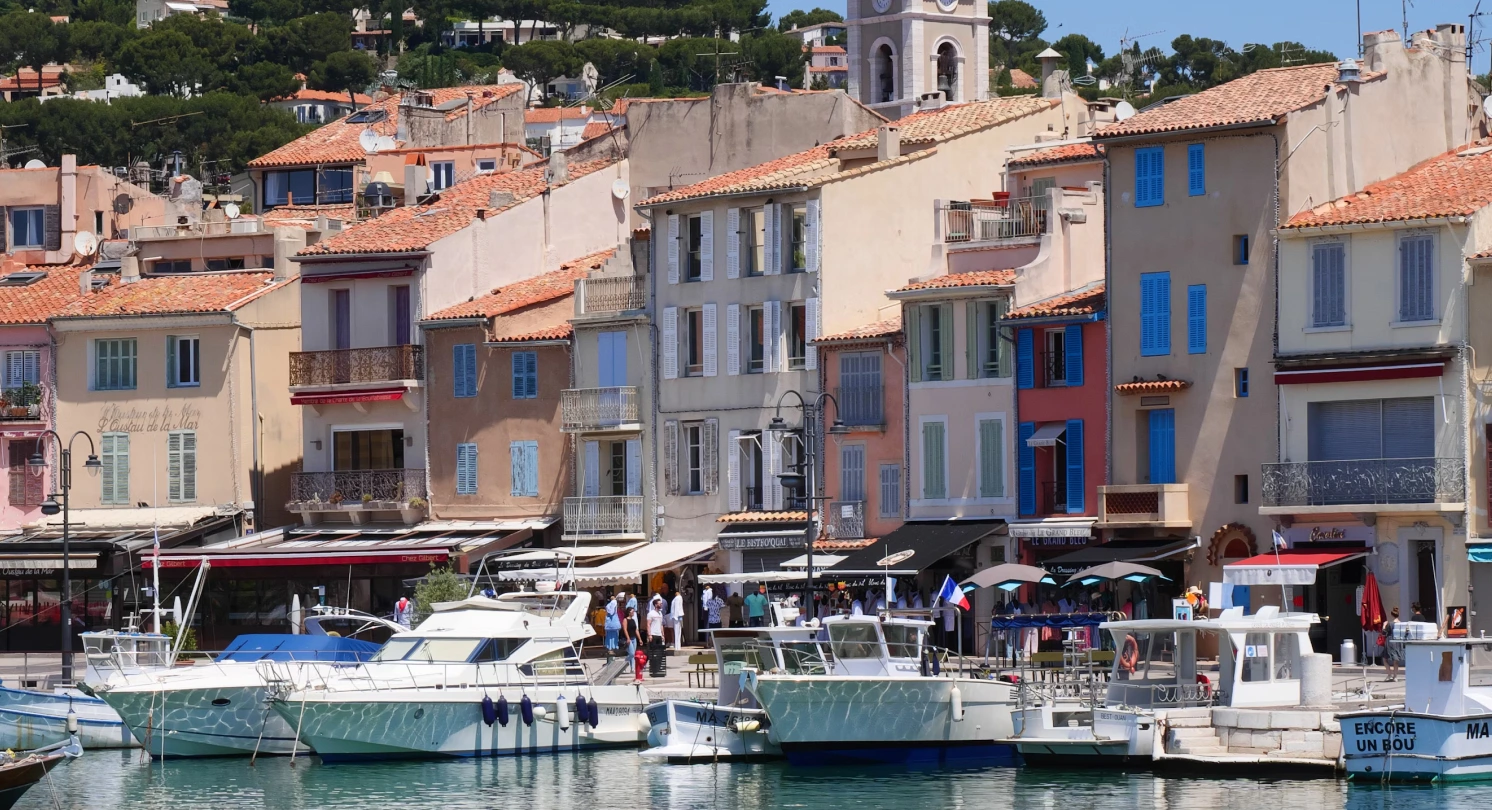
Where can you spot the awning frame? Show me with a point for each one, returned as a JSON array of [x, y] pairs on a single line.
[[1048, 435]]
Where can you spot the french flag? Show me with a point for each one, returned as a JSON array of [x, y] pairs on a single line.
[[952, 594]]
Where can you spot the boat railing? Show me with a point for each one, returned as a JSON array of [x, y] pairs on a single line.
[[406, 676], [1158, 695]]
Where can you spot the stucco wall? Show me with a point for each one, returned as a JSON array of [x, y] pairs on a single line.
[[28, 338], [370, 309], [586, 373], [1088, 402], [882, 446], [275, 321]]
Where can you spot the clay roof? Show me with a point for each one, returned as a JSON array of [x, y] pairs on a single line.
[[38, 301], [819, 165], [828, 49], [978, 278], [559, 331], [1070, 153], [307, 94], [763, 517], [304, 216], [1021, 80], [175, 293], [1457, 183], [870, 331], [595, 129], [553, 115], [25, 79], [537, 290], [827, 544], [337, 142], [416, 227], [1077, 302], [828, 68], [1259, 97], [1151, 386]]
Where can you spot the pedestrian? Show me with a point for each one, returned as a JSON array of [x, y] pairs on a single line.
[[677, 610], [712, 612], [613, 626], [1393, 649], [655, 622], [756, 607], [1417, 613], [629, 631], [402, 610], [737, 610]]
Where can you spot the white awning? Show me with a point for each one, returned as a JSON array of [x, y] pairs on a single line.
[[819, 561], [1047, 435], [579, 553], [628, 568], [765, 577], [1288, 567]]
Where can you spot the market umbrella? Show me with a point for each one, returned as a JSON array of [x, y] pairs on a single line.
[[1116, 570], [1010, 576], [1372, 606]]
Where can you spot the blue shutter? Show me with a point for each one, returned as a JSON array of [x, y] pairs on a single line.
[[1025, 358], [1072, 344], [515, 468], [466, 469], [531, 469], [464, 370], [1196, 319], [1155, 314], [1026, 464], [531, 372], [1163, 446], [1196, 171], [1150, 176], [1075, 481]]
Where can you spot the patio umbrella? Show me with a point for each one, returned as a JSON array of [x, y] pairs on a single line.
[[1114, 571], [1010, 576], [1372, 606]]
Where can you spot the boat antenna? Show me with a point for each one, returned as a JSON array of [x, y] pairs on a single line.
[[155, 520]]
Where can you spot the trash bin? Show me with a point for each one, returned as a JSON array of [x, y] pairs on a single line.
[[657, 659]]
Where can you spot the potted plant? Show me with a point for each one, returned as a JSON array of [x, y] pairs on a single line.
[[413, 510], [367, 501]]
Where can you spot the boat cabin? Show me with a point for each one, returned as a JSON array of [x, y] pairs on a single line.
[[1449, 677], [110, 652], [870, 645], [791, 650]]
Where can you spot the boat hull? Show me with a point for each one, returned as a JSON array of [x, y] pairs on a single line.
[[682, 732], [30, 719], [225, 721], [17, 778], [1403, 746], [1064, 735], [885, 719], [395, 724]]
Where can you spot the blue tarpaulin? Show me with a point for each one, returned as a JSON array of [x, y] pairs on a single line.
[[1039, 620], [270, 647]]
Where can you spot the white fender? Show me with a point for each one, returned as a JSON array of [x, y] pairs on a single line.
[[643, 723], [540, 713], [748, 726], [956, 703], [562, 712], [72, 722]]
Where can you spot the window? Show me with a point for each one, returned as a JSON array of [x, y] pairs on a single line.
[[947, 71], [757, 335], [1155, 314], [114, 453], [852, 472], [890, 490], [22, 367], [282, 188], [98, 224], [367, 450], [694, 458], [694, 249], [992, 352], [1241, 249], [27, 228], [1416, 279], [171, 266], [1196, 171], [797, 239], [1196, 319], [223, 265], [1240, 489], [1240, 382], [443, 175], [183, 361], [1351, 430], [885, 74], [991, 458], [694, 343], [1150, 176], [464, 370], [1328, 284], [797, 336], [1055, 360], [181, 466], [934, 479], [931, 329], [753, 245], [466, 468], [341, 301], [399, 321], [859, 395], [524, 460], [751, 462], [114, 364], [525, 375], [334, 185], [26, 485], [486, 165]]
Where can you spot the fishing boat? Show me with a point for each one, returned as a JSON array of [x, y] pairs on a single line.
[[18, 772], [219, 707], [484, 676]]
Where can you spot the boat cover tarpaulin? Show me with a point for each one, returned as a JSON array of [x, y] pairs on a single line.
[[1290, 567], [268, 647]]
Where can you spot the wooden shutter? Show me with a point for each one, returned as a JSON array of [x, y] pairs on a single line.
[[633, 458], [890, 490], [1163, 446], [4, 223], [1328, 285], [710, 344], [1416, 279], [852, 472], [52, 227], [14, 369], [1072, 345], [1025, 484], [934, 483], [772, 462], [1155, 314], [772, 217], [115, 475], [1150, 177], [520, 383], [1196, 171], [188, 465], [733, 471], [811, 244], [710, 455], [1196, 319], [1075, 473], [811, 329], [670, 343], [732, 339], [466, 468], [515, 468], [1025, 358], [913, 315], [531, 374], [458, 370], [592, 478], [772, 340], [991, 458], [972, 364], [707, 246], [26, 486], [673, 248], [173, 374], [732, 243]]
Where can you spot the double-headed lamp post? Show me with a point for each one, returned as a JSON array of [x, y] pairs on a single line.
[[801, 477], [49, 507]]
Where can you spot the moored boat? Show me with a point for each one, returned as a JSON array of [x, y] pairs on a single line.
[[19, 772]]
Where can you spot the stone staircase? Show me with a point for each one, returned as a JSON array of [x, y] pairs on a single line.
[[1189, 732]]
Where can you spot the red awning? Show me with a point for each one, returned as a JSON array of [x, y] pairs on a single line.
[[317, 557], [1289, 567], [343, 397], [1335, 374]]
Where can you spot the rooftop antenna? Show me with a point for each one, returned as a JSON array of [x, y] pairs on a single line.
[[1132, 62], [1404, 6], [5, 153], [1360, 48]]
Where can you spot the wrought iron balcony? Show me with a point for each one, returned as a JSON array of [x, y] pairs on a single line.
[[610, 294], [860, 405], [1364, 481], [599, 409], [603, 515], [845, 520], [28, 402], [341, 366], [985, 221], [392, 489], [1144, 505]]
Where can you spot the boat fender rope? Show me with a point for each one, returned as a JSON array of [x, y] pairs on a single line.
[[489, 711], [502, 711], [526, 708]]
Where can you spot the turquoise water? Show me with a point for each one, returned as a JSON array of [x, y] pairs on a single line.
[[618, 779]]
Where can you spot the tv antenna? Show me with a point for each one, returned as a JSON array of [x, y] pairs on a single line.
[[1134, 62], [6, 153]]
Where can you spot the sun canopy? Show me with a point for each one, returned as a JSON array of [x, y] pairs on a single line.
[[628, 568], [1047, 435], [1139, 551], [1290, 567], [1002, 575], [928, 542], [1133, 572]]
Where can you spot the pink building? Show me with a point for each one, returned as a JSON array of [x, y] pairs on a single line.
[[865, 370]]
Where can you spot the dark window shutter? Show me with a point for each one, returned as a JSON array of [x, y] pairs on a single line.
[[1026, 469], [1072, 344], [52, 224]]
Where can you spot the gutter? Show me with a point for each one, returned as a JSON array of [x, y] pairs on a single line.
[[505, 343], [451, 323], [313, 258], [725, 196], [1390, 225], [1017, 323], [971, 291], [1186, 133]]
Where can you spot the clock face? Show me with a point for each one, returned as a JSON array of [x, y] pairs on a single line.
[[881, 6]]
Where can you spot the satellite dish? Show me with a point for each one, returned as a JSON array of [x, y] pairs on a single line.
[[123, 203], [900, 556], [620, 189], [1123, 111], [232, 211], [385, 143], [35, 164], [85, 243], [368, 139]]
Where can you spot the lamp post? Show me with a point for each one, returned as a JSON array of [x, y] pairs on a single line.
[[804, 481], [50, 507]]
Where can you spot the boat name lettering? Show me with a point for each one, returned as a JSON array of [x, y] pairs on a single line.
[[1397, 736], [707, 717], [1478, 731], [1113, 716]]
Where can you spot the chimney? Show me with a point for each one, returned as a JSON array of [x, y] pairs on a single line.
[[129, 271], [414, 184], [85, 280], [1349, 71], [68, 197], [287, 242], [888, 142], [1380, 46], [558, 172], [1051, 77]]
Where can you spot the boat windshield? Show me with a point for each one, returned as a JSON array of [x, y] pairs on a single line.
[[901, 639], [738, 653], [396, 649], [802, 658], [443, 650], [854, 640]]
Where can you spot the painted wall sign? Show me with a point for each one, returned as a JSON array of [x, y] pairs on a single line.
[[120, 419]]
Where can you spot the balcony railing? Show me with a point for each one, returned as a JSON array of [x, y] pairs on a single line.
[[604, 515], [246, 225], [610, 294], [379, 364], [860, 404], [1053, 498], [348, 487], [972, 221], [25, 403], [597, 409], [1054, 369], [1142, 505], [845, 520], [1365, 481]]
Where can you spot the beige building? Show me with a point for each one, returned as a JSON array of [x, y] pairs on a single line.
[[43, 210], [1209, 178]]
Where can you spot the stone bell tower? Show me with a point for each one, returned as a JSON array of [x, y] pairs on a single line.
[[903, 52]]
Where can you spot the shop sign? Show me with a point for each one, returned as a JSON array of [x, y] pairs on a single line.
[[1343, 533], [1082, 533], [730, 543], [34, 566], [1040, 542]]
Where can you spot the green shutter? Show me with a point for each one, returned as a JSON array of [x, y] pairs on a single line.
[[934, 487], [946, 316], [171, 375], [991, 459], [971, 335], [914, 340]]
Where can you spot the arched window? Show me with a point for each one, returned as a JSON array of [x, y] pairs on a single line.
[[884, 64], [948, 71]]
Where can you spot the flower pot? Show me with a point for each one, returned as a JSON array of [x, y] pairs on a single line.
[[412, 515], [19, 410]]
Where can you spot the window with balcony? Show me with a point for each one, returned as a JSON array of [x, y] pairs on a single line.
[[341, 318], [400, 325], [797, 336], [1348, 430], [753, 244], [694, 343], [694, 458], [368, 449], [752, 467], [852, 472], [860, 394], [183, 361], [992, 348], [694, 238], [114, 364], [22, 367]]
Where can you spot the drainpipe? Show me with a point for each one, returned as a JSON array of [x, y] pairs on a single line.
[[256, 422]]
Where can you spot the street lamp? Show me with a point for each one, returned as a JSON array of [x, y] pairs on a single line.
[[802, 481], [50, 507]]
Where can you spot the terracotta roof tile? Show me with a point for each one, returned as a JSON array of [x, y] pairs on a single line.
[[827, 544], [829, 69], [978, 278], [1259, 97], [176, 293], [559, 331], [595, 129], [537, 290], [416, 227], [1070, 153], [828, 49], [337, 142], [1021, 80], [1457, 183], [879, 329], [553, 115], [307, 94], [38, 301], [1151, 386], [304, 216], [763, 517], [954, 120], [1077, 302]]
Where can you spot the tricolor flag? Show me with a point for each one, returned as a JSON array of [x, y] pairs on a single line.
[[1279, 540], [952, 594]]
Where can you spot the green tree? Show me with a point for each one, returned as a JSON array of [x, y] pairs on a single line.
[[33, 38], [1078, 50], [541, 61], [165, 62], [304, 41], [263, 80], [1013, 26], [799, 18], [440, 585], [97, 40], [617, 58], [344, 72], [690, 63], [772, 54]]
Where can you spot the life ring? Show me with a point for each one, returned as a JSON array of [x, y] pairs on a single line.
[[1129, 656], [1206, 684]]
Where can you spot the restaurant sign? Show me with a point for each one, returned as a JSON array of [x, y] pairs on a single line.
[[739, 543]]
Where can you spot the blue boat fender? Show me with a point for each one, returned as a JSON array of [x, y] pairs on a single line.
[[489, 711], [937, 667], [527, 709], [582, 710], [502, 711], [595, 714]]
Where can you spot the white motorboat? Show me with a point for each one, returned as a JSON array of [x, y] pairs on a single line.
[[1155, 672], [220, 707], [732, 727], [886, 697], [479, 677]]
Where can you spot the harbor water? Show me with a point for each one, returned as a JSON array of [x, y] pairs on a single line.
[[619, 779]]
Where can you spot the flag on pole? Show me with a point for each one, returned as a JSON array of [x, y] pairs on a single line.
[[952, 594], [1279, 540]]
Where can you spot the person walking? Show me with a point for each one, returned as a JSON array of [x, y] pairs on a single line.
[[1393, 650], [613, 626], [677, 610], [737, 610], [655, 622], [629, 631], [756, 607], [712, 612]]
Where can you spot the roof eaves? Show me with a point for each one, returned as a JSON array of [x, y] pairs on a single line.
[[1167, 133]]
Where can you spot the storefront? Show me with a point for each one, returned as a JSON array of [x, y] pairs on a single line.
[[1141, 600], [1323, 577], [1036, 542]]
